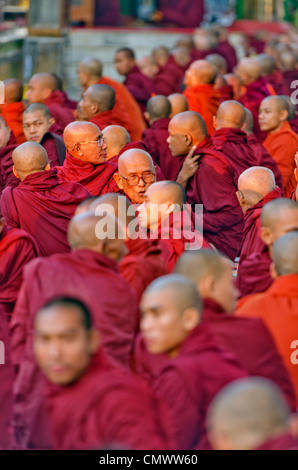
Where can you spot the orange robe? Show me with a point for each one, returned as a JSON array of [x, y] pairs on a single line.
[[12, 114], [126, 109], [204, 100], [282, 146], [278, 308]]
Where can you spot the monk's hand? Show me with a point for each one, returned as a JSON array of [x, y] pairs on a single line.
[[189, 167]]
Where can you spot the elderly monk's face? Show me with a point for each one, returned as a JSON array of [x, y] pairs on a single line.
[[4, 134], [270, 118], [91, 149], [62, 345], [179, 142], [123, 64], [137, 167], [162, 325], [36, 125], [36, 93]]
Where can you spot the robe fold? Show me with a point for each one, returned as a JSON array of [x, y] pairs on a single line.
[[254, 263], [140, 86], [7, 178], [190, 382], [43, 207], [252, 344], [12, 114], [6, 385], [278, 307], [203, 99], [282, 146], [97, 179], [55, 148], [17, 248], [106, 407], [95, 280], [59, 109]]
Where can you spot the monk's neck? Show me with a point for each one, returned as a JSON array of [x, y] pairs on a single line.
[[277, 129]]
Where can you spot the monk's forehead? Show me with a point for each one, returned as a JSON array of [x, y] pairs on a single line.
[[135, 163], [77, 132], [273, 103], [34, 116], [179, 125]]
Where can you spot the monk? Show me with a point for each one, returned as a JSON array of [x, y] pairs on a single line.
[[288, 65], [256, 187], [7, 145], [161, 56], [262, 156], [14, 107], [126, 109], [271, 74], [141, 252], [197, 367], [139, 85], [136, 172], [97, 106], [255, 89], [123, 408], [93, 262], [172, 72], [85, 159], [39, 201], [167, 78], [222, 87], [248, 339], [6, 380], [278, 305], [229, 137], [116, 137], [223, 220], [17, 248], [199, 80], [235, 82], [178, 104], [37, 124], [164, 214], [281, 141], [42, 88], [250, 414]]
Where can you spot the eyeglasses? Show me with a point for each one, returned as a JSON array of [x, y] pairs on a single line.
[[100, 141], [147, 177]]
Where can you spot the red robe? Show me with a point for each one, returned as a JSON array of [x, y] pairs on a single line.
[[96, 281], [17, 248], [105, 119], [254, 264], [7, 178], [183, 13], [228, 52], [288, 78], [140, 86], [252, 344], [226, 93], [155, 139], [176, 71], [142, 265], [190, 382], [59, 109], [55, 147], [43, 207], [97, 179], [12, 113], [6, 381], [223, 217], [165, 82], [203, 99], [110, 408], [283, 442], [276, 82], [264, 158]]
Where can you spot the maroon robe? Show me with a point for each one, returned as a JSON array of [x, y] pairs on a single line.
[[183, 13], [254, 264], [58, 108], [176, 71], [284, 442], [110, 408], [165, 82], [142, 265], [105, 119], [275, 81], [223, 217], [252, 344], [43, 207], [226, 93], [7, 178], [140, 86], [190, 382], [226, 50], [6, 385], [55, 148], [288, 78], [17, 248], [97, 179], [96, 281], [55, 129], [264, 158], [155, 139]]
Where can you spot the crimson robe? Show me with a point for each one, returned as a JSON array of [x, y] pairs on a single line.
[[165, 82], [55, 148], [254, 264], [142, 265], [12, 113], [110, 408], [56, 129], [176, 71], [59, 109], [214, 185], [6, 386], [97, 179], [140, 86], [226, 93], [190, 382], [95, 280], [284, 442], [17, 248], [43, 207], [7, 178], [288, 78], [183, 13], [275, 81], [105, 119], [226, 50], [252, 344], [155, 139], [264, 158], [203, 99]]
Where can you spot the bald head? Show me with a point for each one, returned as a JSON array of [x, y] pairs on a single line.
[[249, 70], [80, 141], [102, 95], [249, 122], [200, 72], [167, 191], [148, 66], [158, 107], [91, 66], [40, 87], [253, 185], [247, 413], [273, 113], [160, 55], [179, 104], [268, 64], [181, 55], [287, 61], [132, 158], [77, 131], [219, 62], [29, 158], [188, 124], [117, 137], [13, 90], [230, 114], [285, 254]]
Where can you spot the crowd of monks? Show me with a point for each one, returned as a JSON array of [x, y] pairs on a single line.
[[149, 252]]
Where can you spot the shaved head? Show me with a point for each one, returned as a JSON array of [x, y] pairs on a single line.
[[167, 191], [268, 64], [191, 123], [181, 55], [29, 158], [247, 413], [13, 90], [148, 66], [219, 62], [285, 254], [91, 66], [249, 70], [117, 137], [76, 131], [32, 108], [160, 55], [254, 184], [80, 140], [291, 107], [200, 72], [249, 122], [287, 61], [230, 114], [278, 101], [273, 113], [159, 107], [103, 95], [179, 104], [40, 87]]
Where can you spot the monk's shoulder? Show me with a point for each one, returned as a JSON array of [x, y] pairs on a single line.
[[255, 306]]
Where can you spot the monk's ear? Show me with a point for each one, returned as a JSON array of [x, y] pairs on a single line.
[[188, 139], [215, 122], [191, 318], [284, 115], [206, 286], [273, 271], [15, 172], [48, 167], [94, 340], [118, 180], [266, 236], [147, 116], [52, 121], [46, 93]]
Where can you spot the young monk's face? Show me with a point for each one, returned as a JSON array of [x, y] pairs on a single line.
[[36, 92], [123, 63], [178, 141], [36, 125], [270, 117], [62, 345]]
